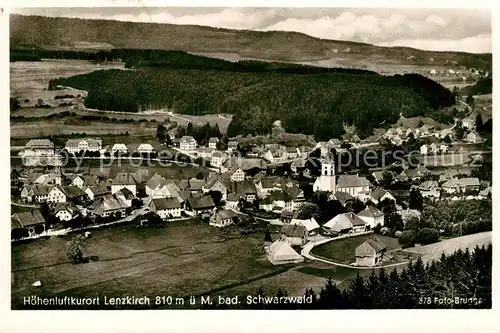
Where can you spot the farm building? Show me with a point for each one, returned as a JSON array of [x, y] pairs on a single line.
[[296, 235], [107, 206], [124, 180], [199, 205], [280, 253], [345, 223], [222, 218], [379, 195], [166, 207], [372, 216], [310, 224], [66, 211], [30, 221], [370, 253]]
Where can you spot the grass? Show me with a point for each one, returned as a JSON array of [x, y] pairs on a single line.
[[180, 259], [343, 250]]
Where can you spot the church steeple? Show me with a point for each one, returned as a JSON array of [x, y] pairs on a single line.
[[326, 182]]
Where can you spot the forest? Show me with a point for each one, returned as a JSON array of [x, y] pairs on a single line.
[[312, 101], [461, 280]]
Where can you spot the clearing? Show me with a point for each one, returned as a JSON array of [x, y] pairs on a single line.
[[433, 251], [180, 259]]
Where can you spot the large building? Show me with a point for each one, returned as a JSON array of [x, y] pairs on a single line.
[[39, 147], [326, 182], [88, 144], [188, 143]]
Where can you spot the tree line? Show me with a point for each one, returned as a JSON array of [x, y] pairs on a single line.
[[461, 280]]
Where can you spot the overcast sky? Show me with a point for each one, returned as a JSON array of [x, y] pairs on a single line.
[[466, 30]]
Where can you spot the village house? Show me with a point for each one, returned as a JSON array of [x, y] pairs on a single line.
[[39, 147], [462, 185], [35, 193], [312, 227], [51, 178], [32, 221], [280, 201], [119, 148], [344, 198], [145, 148], [236, 174], [358, 187], [200, 205], [84, 181], [292, 152], [371, 252], [232, 201], [196, 185], [280, 253], [372, 216], [222, 218], [298, 165], [74, 146], [266, 204], [57, 194], [296, 195], [212, 142], [345, 223], [188, 143], [124, 180], [157, 187], [397, 140], [126, 196], [276, 155], [217, 158], [166, 207], [379, 175], [473, 137], [66, 211], [245, 189], [107, 206], [295, 235], [380, 194], [217, 184], [417, 173], [232, 146], [96, 191], [266, 185], [424, 149], [429, 188]]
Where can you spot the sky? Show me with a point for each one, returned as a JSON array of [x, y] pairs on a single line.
[[450, 29]]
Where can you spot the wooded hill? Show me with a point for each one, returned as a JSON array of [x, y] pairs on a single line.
[[72, 34], [307, 100]]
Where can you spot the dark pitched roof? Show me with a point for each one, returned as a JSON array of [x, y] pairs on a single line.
[[100, 189], [226, 214], [166, 203], [343, 197], [126, 193], [370, 211], [293, 192], [293, 230], [196, 184], [203, 202], [74, 192], [371, 245], [124, 178], [26, 219]]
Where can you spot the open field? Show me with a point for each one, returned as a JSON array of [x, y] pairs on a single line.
[[61, 127], [343, 250], [434, 251], [30, 79], [180, 259], [29, 82]]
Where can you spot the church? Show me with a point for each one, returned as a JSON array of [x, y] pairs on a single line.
[[326, 182], [358, 187]]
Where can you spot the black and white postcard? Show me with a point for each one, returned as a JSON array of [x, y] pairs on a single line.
[[250, 158]]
